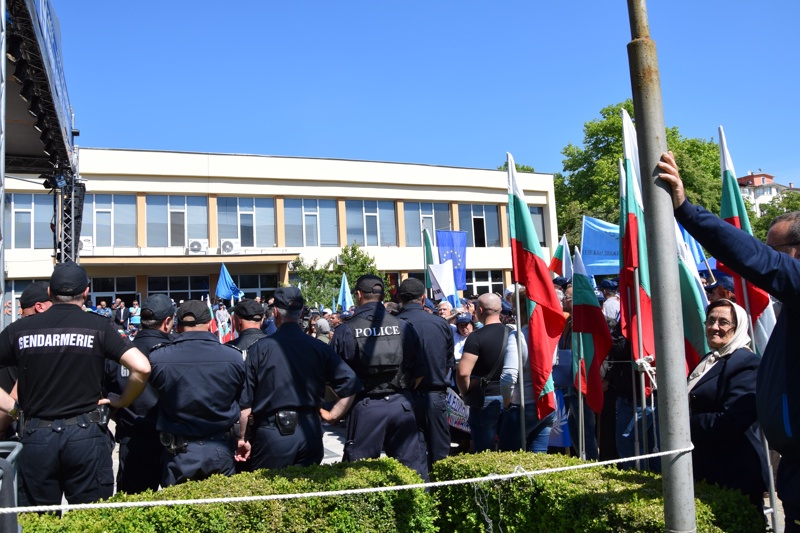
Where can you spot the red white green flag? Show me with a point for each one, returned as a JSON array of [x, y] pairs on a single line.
[[756, 302], [693, 303], [633, 250], [561, 263], [591, 338], [546, 321]]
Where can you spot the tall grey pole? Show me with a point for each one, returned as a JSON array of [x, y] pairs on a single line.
[[679, 509], [3, 237]]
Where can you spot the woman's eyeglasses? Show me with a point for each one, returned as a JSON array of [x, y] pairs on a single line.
[[719, 321]]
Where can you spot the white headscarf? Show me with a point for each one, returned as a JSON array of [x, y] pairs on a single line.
[[740, 339]]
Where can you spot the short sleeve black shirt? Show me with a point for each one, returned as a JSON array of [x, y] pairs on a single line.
[[61, 359], [487, 344]]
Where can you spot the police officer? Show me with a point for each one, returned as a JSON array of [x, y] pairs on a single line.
[[199, 382], [286, 377], [33, 300], [139, 444], [436, 355], [60, 354], [383, 352], [246, 320]]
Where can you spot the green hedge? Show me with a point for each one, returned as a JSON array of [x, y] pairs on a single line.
[[402, 511], [592, 499]]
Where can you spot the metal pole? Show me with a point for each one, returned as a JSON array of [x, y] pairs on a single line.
[[520, 373], [679, 508], [639, 346], [581, 426]]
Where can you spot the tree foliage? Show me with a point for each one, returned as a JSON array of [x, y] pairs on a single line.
[[320, 283], [785, 203], [589, 183]]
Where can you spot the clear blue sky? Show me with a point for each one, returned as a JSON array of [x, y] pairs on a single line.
[[442, 82]]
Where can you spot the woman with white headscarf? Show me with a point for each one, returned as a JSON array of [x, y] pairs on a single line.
[[722, 406]]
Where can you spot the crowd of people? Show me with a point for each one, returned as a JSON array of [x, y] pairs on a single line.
[[187, 406]]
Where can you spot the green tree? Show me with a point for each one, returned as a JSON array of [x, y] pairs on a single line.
[[785, 203], [589, 183], [320, 283]]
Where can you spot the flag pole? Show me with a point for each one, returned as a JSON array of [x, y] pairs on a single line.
[[643, 397], [520, 363], [708, 267], [581, 426]]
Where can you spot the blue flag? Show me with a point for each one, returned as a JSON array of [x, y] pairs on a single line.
[[345, 296], [453, 246], [694, 247], [226, 289], [600, 246]]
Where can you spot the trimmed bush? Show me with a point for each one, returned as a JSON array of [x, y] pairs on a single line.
[[402, 511], [594, 499]]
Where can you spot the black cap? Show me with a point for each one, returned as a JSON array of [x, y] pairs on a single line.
[[68, 279], [411, 288], [248, 309], [561, 281], [157, 307], [34, 293], [193, 312], [369, 284], [609, 285], [289, 298]]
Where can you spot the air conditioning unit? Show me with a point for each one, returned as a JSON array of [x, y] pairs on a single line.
[[197, 247], [230, 246], [86, 244]]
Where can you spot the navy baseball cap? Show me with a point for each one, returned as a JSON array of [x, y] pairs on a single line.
[[463, 318], [609, 285], [33, 294], [411, 288], [157, 307], [193, 312], [68, 279], [248, 309], [726, 282], [289, 298], [369, 284]]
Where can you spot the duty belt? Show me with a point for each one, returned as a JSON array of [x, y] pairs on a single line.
[[176, 444], [97, 416]]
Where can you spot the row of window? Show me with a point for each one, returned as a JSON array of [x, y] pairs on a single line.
[[172, 221]]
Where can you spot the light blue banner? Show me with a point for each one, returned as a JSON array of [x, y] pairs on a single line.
[[600, 246]]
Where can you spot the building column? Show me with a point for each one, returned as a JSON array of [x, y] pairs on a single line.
[[212, 221], [280, 227], [341, 216], [141, 220], [401, 223]]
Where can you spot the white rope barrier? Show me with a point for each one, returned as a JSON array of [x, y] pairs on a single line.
[[518, 472]]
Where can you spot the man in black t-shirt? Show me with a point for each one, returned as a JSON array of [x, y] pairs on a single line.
[[482, 349], [60, 355]]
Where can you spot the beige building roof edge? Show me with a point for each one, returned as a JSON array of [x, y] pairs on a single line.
[[167, 165]]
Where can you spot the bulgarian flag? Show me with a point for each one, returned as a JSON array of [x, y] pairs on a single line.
[[562, 264], [546, 322], [693, 303], [591, 338], [755, 301], [428, 252], [633, 250]]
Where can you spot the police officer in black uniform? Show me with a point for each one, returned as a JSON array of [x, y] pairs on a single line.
[[60, 355], [139, 444], [286, 377], [246, 320], [383, 352], [199, 382], [430, 396]]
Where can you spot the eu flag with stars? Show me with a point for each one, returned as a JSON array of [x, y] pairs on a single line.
[[453, 246]]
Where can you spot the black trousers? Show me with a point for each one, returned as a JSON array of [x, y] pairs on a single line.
[[303, 448], [430, 410], [139, 463], [72, 461]]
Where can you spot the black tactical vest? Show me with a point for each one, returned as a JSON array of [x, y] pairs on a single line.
[[379, 353]]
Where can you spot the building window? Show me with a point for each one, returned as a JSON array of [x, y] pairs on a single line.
[[537, 216], [251, 220], [483, 281], [421, 215], [310, 222], [173, 220], [179, 287], [371, 223], [482, 224], [110, 219], [27, 221], [252, 285], [109, 289]]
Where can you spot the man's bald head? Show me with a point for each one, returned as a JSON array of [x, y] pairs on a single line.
[[489, 305]]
